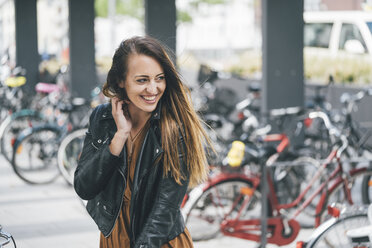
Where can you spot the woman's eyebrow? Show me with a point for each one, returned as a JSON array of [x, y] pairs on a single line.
[[149, 76], [141, 76]]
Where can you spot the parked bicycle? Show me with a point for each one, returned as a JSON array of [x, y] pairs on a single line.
[[35, 153], [69, 153], [230, 204], [34, 157], [12, 97], [347, 228], [33, 110], [42, 109], [6, 239]]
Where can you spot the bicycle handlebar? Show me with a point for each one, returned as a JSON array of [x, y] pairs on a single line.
[[350, 99], [324, 117], [332, 130]]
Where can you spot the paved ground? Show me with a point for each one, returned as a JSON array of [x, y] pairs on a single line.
[[52, 216]]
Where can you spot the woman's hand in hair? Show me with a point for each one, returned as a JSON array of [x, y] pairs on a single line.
[[123, 124]]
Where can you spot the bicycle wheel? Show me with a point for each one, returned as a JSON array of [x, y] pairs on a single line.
[[13, 125], [69, 152], [35, 155], [333, 232], [216, 203], [357, 187], [290, 179]]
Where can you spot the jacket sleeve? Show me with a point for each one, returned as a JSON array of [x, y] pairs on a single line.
[[96, 164]]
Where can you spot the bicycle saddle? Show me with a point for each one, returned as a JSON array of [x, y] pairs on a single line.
[[46, 88]]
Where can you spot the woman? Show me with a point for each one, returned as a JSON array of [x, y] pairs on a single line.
[[142, 151]]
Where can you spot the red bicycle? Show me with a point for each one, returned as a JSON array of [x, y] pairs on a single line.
[[230, 203]]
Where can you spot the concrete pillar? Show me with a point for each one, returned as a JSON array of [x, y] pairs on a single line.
[[160, 21], [27, 55], [82, 51], [282, 54], [282, 67]]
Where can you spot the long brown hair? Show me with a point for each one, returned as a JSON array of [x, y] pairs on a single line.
[[177, 113]]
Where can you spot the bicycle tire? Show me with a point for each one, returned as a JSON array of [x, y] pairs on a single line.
[[13, 125], [35, 155], [333, 232], [338, 196], [203, 218], [68, 154]]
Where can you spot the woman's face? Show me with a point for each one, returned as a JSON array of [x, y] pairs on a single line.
[[145, 82]]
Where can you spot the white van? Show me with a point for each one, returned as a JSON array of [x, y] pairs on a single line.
[[335, 32]]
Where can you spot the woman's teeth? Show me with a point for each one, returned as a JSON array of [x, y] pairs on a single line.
[[149, 98]]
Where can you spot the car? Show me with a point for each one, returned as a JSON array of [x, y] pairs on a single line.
[[338, 44], [339, 31]]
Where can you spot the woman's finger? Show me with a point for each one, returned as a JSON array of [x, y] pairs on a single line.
[[113, 104]]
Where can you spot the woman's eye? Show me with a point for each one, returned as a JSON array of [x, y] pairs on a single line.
[[141, 80], [160, 78]]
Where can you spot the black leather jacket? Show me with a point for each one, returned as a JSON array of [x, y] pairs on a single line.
[[100, 178]]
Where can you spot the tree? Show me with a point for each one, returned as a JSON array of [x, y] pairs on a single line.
[[133, 8]]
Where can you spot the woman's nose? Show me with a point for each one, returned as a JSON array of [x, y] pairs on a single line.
[[151, 87]]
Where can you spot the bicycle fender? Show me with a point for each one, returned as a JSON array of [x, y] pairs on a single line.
[[25, 112], [224, 177]]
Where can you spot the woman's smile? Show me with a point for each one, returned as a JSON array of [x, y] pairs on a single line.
[[149, 99]]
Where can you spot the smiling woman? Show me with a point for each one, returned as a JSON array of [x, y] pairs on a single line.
[[142, 151]]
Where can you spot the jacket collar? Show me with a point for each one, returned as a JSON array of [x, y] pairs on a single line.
[[107, 113]]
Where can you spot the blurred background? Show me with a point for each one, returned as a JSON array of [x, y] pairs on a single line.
[[241, 59], [226, 35]]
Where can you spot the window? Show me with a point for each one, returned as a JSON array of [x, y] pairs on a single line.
[[317, 34], [350, 32]]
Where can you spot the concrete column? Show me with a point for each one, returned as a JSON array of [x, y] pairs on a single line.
[[282, 54], [27, 55], [160, 21], [282, 67], [82, 51]]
